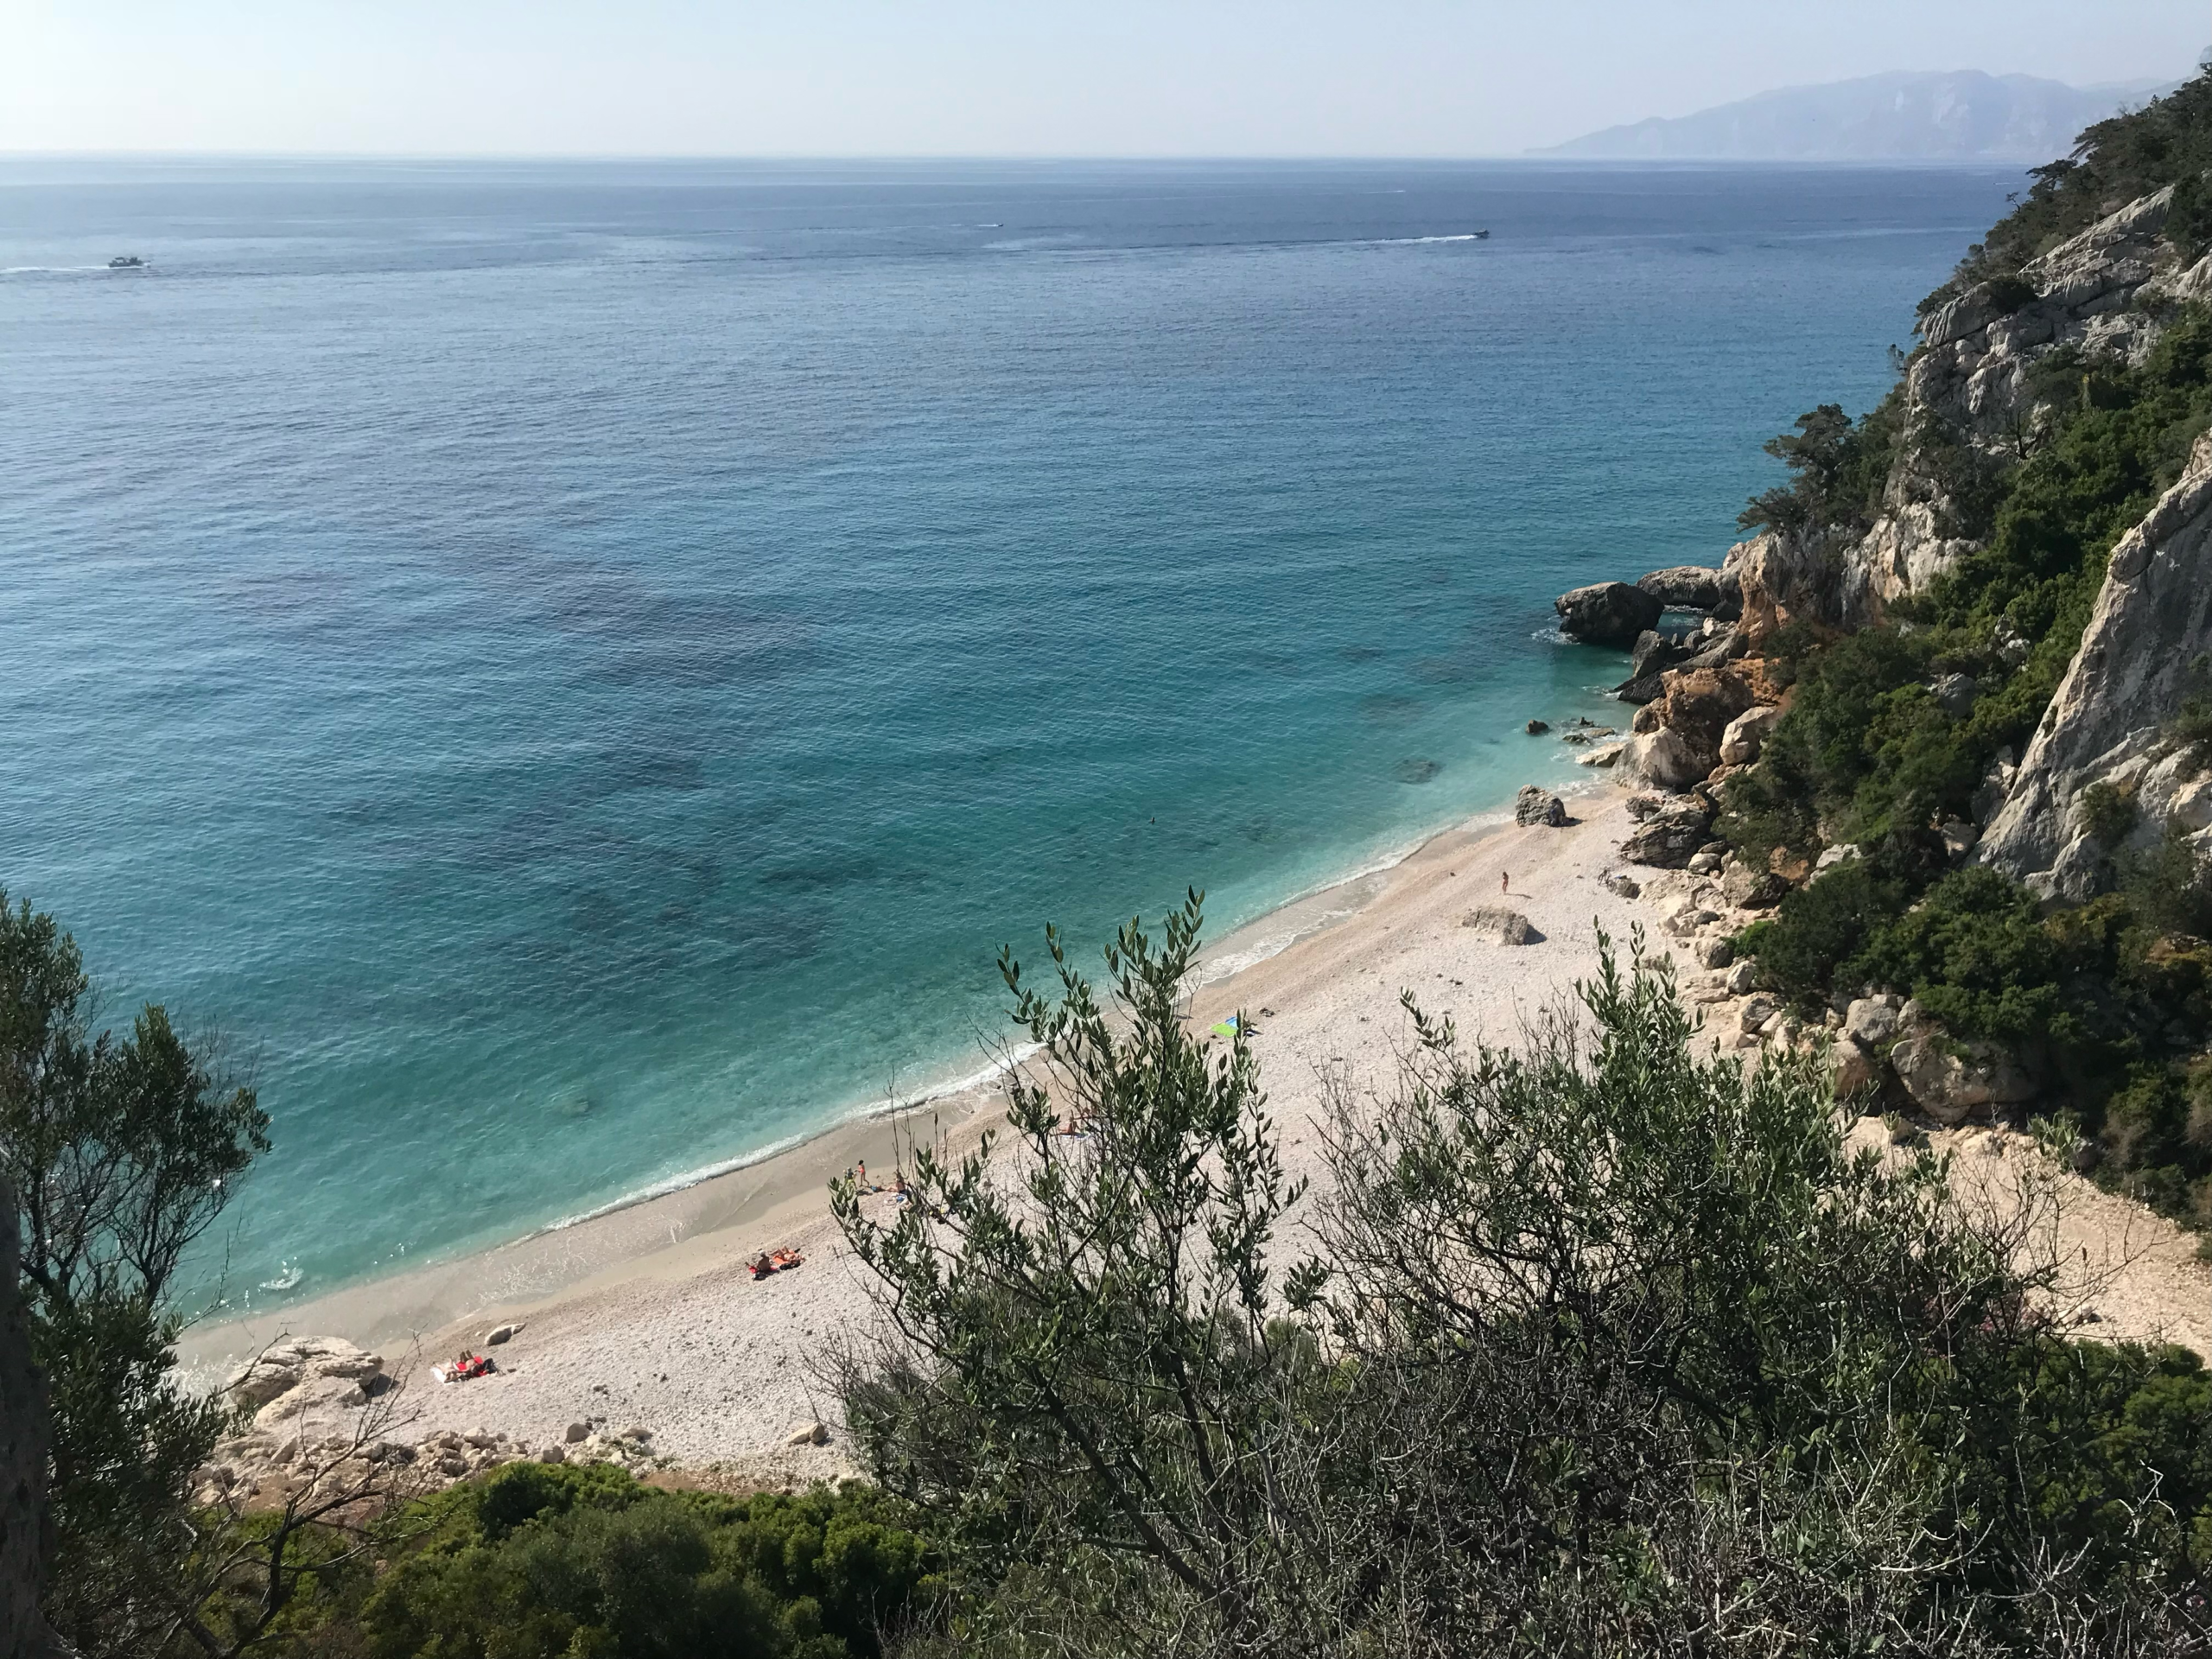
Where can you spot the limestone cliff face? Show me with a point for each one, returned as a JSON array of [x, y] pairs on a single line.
[[22, 1458], [2109, 721], [1974, 377]]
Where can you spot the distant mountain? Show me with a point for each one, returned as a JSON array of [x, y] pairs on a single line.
[[1967, 117]]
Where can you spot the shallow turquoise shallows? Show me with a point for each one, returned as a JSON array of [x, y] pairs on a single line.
[[577, 669]]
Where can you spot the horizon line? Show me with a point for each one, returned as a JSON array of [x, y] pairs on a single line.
[[1549, 154]]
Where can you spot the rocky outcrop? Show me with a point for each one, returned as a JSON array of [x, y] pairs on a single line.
[[1972, 378], [319, 1417], [23, 1458], [1653, 654], [1951, 1081], [286, 1367], [2108, 722], [1669, 837], [1795, 578], [1698, 705], [1689, 586], [1606, 613], [1745, 735]]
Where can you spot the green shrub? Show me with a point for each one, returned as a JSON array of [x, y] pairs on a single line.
[[546, 1561], [2106, 813], [1837, 470], [2115, 162], [1819, 927], [1975, 954], [1611, 1346]]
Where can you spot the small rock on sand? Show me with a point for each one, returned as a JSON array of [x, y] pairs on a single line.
[[500, 1333], [577, 1431], [813, 1433]]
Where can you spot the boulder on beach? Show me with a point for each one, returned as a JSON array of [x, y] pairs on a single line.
[[1671, 838], [1501, 926], [1606, 613], [283, 1366], [1538, 805]]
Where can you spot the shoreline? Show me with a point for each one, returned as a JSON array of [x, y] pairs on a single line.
[[531, 1265], [647, 1316], [701, 1223]]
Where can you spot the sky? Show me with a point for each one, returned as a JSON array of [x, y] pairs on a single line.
[[1040, 78]]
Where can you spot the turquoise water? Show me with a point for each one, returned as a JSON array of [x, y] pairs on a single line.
[[577, 669]]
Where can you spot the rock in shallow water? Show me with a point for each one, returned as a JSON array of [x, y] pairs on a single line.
[[1686, 587], [1607, 613]]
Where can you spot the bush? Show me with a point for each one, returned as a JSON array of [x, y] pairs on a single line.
[[545, 1561], [1607, 1348], [2106, 813], [1837, 471], [1975, 954], [1819, 927], [2115, 162]]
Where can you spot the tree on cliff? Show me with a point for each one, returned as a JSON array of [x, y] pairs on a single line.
[[122, 1150]]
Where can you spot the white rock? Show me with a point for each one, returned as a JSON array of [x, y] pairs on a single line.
[[808, 1434], [1500, 926], [2152, 619], [285, 1365], [1664, 758], [1745, 735]]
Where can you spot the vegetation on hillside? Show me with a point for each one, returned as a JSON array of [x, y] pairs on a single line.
[[2113, 997], [2168, 141], [580, 1561]]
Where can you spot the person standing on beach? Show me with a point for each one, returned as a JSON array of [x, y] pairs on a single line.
[[1504, 881]]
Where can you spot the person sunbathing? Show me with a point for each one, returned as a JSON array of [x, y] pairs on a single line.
[[775, 1261]]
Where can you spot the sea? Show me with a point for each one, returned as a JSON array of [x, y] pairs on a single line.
[[565, 676]]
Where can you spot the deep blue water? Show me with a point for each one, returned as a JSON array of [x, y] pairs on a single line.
[[577, 669]]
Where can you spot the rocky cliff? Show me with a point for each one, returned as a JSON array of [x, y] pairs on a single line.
[[1841, 753], [2111, 723], [1972, 395]]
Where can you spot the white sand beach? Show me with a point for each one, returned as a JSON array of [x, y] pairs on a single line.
[[648, 1315]]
